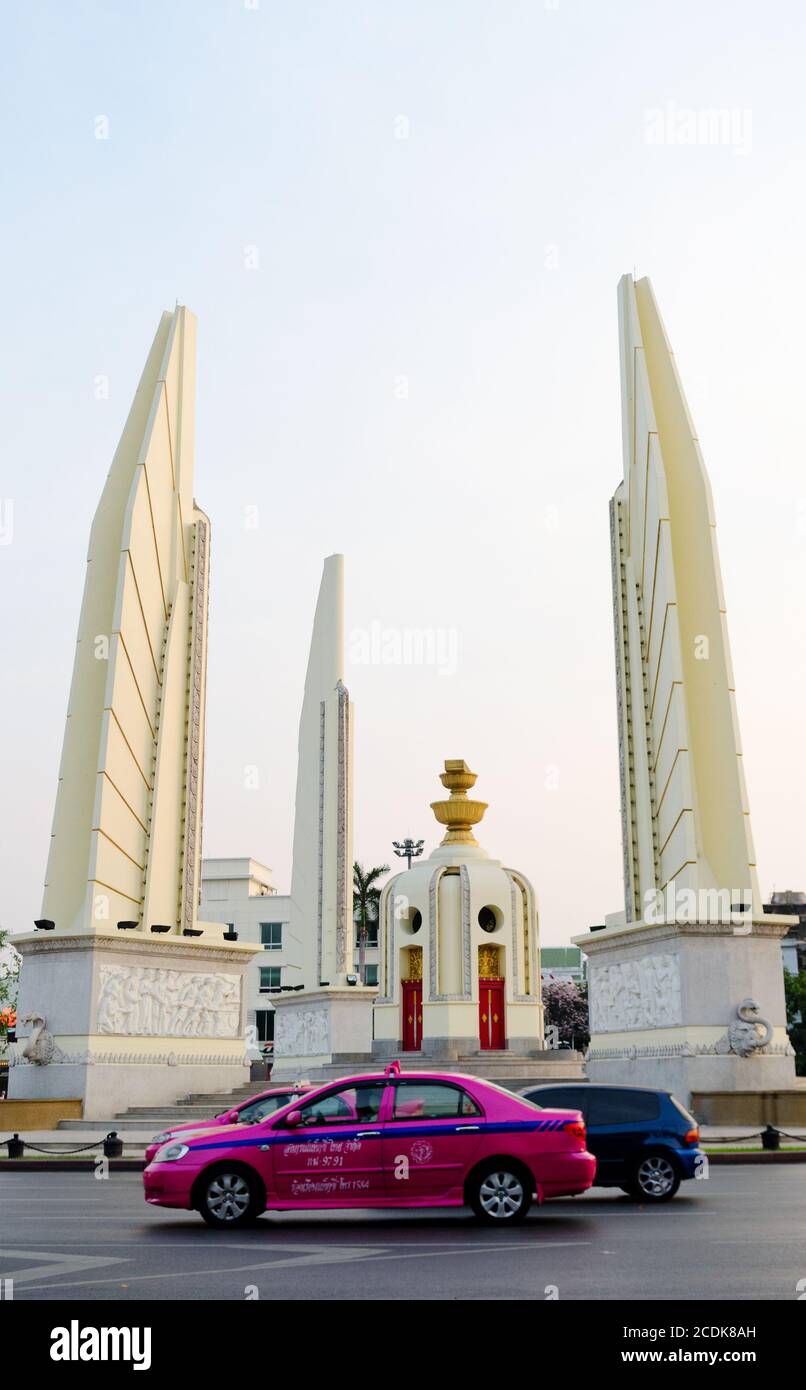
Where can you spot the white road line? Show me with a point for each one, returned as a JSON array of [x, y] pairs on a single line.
[[327, 1255], [59, 1264]]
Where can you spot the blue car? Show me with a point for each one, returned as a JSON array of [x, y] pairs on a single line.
[[644, 1141]]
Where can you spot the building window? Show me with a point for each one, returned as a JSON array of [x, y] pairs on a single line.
[[264, 1022], [269, 978], [271, 936], [370, 974], [372, 936]]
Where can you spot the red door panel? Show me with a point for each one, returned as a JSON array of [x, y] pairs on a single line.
[[492, 1033], [412, 1004]]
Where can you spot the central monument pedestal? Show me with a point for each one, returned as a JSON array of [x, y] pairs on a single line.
[[320, 1027], [691, 1007]]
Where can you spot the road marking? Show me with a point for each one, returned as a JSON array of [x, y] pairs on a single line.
[[59, 1264], [325, 1255]]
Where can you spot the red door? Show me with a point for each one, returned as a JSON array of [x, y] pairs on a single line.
[[491, 1015], [412, 994]]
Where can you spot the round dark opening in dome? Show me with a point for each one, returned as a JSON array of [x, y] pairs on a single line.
[[416, 919], [487, 919]]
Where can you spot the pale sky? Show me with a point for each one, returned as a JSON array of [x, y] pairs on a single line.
[[401, 227]]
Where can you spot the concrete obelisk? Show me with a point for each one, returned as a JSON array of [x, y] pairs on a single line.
[[331, 1016], [126, 996], [686, 984]]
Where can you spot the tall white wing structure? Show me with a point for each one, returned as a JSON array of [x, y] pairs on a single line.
[[685, 816], [126, 839], [321, 882]]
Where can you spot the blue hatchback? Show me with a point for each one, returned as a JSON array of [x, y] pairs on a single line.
[[644, 1141]]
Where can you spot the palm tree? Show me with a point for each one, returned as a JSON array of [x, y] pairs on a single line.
[[366, 900]]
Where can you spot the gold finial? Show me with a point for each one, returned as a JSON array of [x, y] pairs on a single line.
[[459, 814]]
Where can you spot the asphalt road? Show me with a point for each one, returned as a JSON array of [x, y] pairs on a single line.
[[738, 1235]]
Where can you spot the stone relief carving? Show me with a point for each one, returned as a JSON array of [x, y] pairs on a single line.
[[302, 1033], [145, 1002], [195, 769], [344, 869], [643, 993], [139, 1059]]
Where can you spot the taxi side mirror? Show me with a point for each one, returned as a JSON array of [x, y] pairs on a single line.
[[232, 1117], [292, 1120]]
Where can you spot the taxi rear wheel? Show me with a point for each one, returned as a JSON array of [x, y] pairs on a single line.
[[501, 1193], [228, 1198]]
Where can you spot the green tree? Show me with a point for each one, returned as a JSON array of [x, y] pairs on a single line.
[[366, 901], [795, 991]]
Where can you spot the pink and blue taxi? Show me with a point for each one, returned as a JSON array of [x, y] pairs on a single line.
[[248, 1111], [397, 1139]]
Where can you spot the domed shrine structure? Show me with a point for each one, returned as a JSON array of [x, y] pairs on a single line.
[[460, 956]]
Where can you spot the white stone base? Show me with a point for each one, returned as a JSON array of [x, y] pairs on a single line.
[[134, 1019], [320, 1026], [663, 1000]]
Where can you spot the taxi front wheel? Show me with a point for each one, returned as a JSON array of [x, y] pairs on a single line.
[[501, 1194], [229, 1199]]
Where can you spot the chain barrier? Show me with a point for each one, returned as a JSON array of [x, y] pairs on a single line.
[[111, 1144]]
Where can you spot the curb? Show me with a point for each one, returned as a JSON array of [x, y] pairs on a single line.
[[770, 1157], [74, 1165]]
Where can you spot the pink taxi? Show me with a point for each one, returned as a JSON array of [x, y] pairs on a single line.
[[247, 1112], [397, 1139]]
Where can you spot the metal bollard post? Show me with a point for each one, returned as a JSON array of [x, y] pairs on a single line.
[[771, 1139], [113, 1147], [15, 1146]]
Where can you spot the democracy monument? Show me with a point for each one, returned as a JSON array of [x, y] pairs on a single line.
[[130, 998], [686, 984]]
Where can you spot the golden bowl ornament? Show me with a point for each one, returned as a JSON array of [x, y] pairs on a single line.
[[458, 813]]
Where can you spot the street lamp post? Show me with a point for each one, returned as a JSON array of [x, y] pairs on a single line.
[[408, 849]]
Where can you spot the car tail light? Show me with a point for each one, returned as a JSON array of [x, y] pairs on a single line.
[[692, 1137], [576, 1128]]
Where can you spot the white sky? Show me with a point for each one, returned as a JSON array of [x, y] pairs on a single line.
[[478, 258]]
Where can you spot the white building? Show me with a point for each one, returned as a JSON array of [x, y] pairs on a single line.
[[240, 892]]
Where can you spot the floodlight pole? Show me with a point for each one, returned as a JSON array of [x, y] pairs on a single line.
[[408, 849]]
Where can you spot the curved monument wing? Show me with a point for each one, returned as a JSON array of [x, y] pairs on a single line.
[[685, 816], [126, 832]]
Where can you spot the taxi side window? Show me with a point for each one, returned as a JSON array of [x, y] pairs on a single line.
[[264, 1107], [350, 1105], [432, 1100]]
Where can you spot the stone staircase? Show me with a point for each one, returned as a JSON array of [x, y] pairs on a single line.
[[200, 1106], [515, 1073]]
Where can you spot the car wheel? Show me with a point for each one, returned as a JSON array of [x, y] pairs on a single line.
[[501, 1194], [657, 1178], [228, 1199]]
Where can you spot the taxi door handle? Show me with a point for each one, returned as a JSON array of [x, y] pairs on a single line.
[[465, 1129], [368, 1134]]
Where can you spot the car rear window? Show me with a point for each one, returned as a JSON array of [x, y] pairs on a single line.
[[558, 1098], [687, 1115], [616, 1107]]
